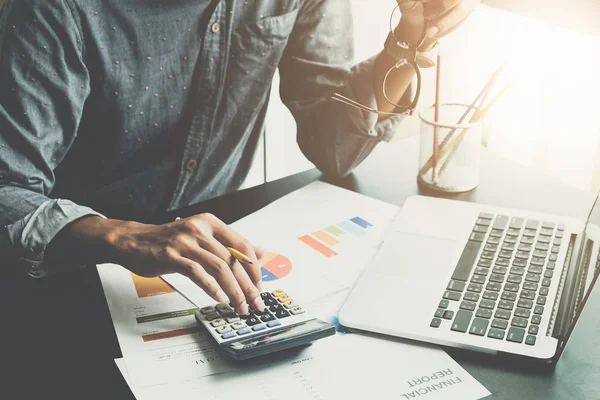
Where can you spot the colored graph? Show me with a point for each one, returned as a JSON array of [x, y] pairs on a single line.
[[275, 266], [146, 287], [323, 240]]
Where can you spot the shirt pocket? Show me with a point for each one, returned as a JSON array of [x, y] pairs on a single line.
[[256, 50]]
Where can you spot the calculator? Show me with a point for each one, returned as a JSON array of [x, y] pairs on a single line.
[[282, 325]]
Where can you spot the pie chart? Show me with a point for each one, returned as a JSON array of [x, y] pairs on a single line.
[[274, 266]]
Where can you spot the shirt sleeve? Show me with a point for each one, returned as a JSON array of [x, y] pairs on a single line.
[[334, 136], [44, 86]]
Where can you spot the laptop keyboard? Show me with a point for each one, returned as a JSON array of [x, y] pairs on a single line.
[[502, 279]]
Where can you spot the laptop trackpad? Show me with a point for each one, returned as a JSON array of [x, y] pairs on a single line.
[[416, 256]]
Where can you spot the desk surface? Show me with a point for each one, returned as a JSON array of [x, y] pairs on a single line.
[[58, 341]]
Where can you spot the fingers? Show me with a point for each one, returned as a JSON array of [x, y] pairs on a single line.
[[200, 277], [451, 19], [229, 237], [437, 8], [249, 288], [260, 252]]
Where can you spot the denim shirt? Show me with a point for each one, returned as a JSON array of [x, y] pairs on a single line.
[[122, 107]]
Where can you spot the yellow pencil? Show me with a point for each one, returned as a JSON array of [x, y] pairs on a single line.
[[239, 256]]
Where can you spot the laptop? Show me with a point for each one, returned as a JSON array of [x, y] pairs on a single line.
[[477, 277]]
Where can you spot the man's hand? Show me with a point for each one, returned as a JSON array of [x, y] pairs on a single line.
[[195, 247], [443, 16]]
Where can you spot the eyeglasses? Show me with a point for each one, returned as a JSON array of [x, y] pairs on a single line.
[[409, 61]]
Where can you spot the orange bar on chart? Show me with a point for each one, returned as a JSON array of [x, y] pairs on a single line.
[[146, 287], [325, 238], [318, 246]]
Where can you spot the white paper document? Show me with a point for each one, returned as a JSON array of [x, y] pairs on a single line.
[[341, 367], [319, 239]]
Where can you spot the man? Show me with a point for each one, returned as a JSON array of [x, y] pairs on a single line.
[[142, 105]]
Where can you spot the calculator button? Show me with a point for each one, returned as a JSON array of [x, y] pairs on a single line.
[[212, 317], [468, 296], [500, 323], [228, 314], [451, 295], [458, 286], [274, 323], [267, 317], [228, 335], [489, 295], [284, 299], [234, 319], [496, 334], [297, 310], [278, 293], [435, 323], [448, 314], [223, 307], [533, 329], [503, 314], [238, 325], [515, 335], [483, 313], [536, 319], [207, 310], [270, 301], [252, 321], [276, 307], [530, 340], [258, 327], [282, 314], [218, 322], [244, 331], [461, 321], [223, 329], [479, 326], [266, 295], [290, 304]]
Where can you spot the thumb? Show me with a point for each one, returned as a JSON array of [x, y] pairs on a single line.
[[412, 11]]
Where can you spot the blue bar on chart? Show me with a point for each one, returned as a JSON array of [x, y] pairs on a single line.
[[352, 228], [361, 222]]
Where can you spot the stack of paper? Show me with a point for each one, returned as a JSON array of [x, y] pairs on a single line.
[[319, 239]]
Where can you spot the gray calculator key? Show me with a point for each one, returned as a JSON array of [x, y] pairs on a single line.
[[522, 313], [480, 229], [548, 225], [509, 296], [479, 326], [508, 246], [536, 319], [495, 286], [538, 310], [532, 277], [557, 242], [540, 254], [516, 279], [488, 255], [538, 261], [490, 247], [532, 224], [523, 255], [466, 261], [515, 335], [533, 329], [500, 270], [212, 317], [456, 286], [478, 279], [477, 237], [559, 234], [517, 271], [468, 305], [502, 314], [297, 310], [527, 240], [561, 227], [519, 322], [461, 321], [544, 291], [506, 305], [451, 295], [525, 247], [481, 271], [474, 287], [485, 215], [238, 325], [510, 239], [535, 270], [530, 340], [541, 300], [546, 282], [227, 313], [507, 254], [493, 240], [548, 273], [444, 303], [530, 286], [542, 246], [551, 265], [223, 329], [519, 263], [448, 314], [484, 263], [483, 313], [497, 233], [524, 303], [488, 294], [500, 222], [504, 262], [232, 320], [529, 232], [483, 222], [516, 223], [527, 294], [496, 334], [489, 304], [471, 296], [500, 323], [218, 322], [511, 287], [290, 304], [435, 323], [497, 278], [207, 310]]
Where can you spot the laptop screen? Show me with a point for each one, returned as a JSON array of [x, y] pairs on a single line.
[[583, 274]]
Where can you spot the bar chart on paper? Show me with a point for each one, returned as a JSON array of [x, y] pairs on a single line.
[[327, 240]]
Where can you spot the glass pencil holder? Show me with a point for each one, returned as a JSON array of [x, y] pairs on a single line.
[[450, 148]]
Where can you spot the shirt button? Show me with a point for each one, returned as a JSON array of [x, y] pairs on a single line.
[[215, 27], [191, 165]]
